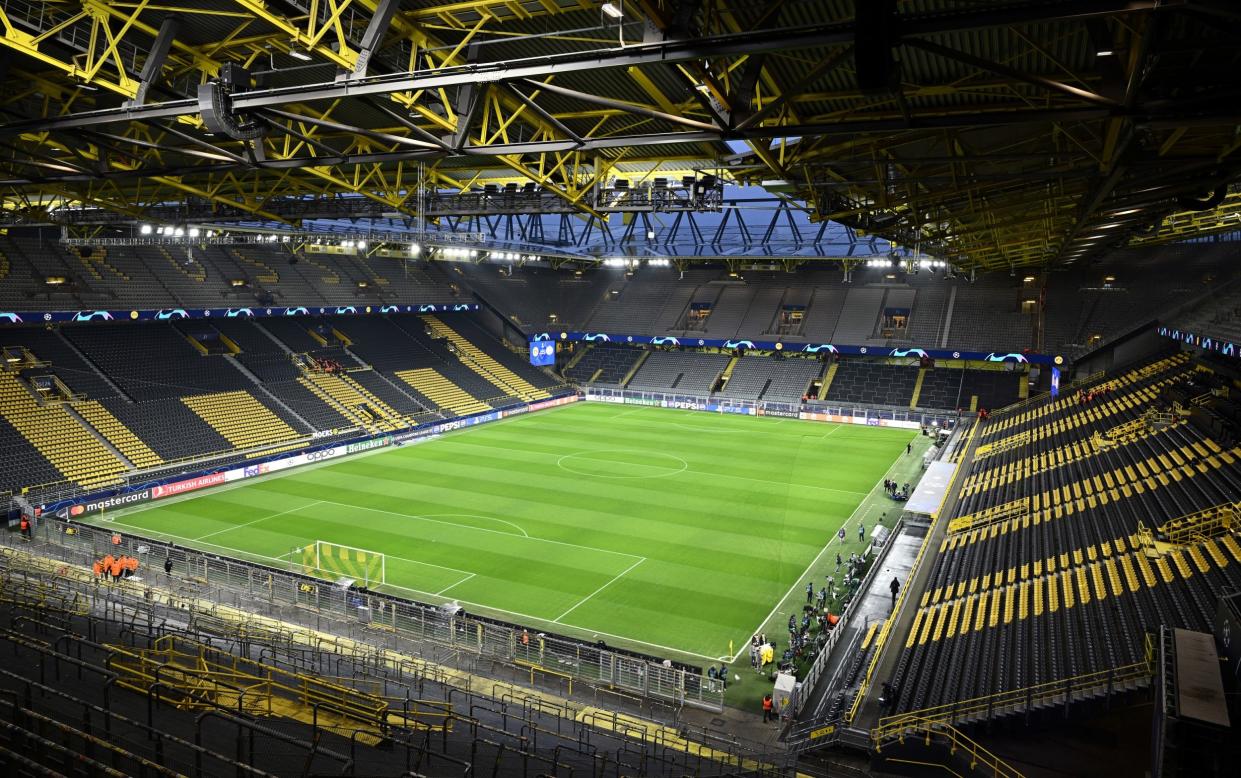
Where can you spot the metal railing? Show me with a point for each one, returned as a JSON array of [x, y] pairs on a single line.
[[932, 733], [874, 415], [259, 587], [882, 638], [1063, 691]]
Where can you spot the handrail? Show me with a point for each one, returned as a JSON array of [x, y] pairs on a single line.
[[881, 639], [1028, 696], [930, 730]]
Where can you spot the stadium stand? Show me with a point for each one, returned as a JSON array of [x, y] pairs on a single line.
[[1051, 569], [947, 387], [241, 419], [225, 691], [80, 456], [688, 372], [602, 364], [122, 398], [984, 249], [778, 380], [23, 464], [857, 381]]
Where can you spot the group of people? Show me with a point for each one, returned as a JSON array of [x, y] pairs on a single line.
[[118, 567], [720, 673], [896, 491], [327, 365], [1085, 397]]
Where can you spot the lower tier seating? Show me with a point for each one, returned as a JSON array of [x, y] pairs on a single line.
[[61, 439], [242, 420], [603, 364], [872, 384]]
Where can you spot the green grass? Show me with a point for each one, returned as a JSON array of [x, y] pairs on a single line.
[[664, 530]]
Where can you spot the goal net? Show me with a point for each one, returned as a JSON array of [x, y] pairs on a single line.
[[334, 561]]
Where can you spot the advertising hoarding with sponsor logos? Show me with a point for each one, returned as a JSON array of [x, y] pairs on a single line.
[[203, 481]]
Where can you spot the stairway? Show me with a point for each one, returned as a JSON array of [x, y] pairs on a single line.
[[913, 400], [827, 381], [634, 370]]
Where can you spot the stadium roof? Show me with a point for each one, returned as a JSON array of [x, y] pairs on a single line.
[[991, 133]]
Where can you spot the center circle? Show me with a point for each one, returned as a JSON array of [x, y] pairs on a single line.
[[622, 463]]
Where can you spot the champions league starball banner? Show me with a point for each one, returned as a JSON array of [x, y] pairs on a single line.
[[255, 312], [1009, 357]]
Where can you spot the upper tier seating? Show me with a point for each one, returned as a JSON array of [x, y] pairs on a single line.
[[202, 276], [985, 314]]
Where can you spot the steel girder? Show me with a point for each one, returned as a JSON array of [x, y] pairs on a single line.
[[1009, 156]]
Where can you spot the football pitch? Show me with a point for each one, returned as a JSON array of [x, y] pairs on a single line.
[[659, 529]]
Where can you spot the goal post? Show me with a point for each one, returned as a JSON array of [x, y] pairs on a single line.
[[324, 559]]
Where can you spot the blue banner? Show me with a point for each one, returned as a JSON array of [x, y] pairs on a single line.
[[175, 314], [1220, 346], [1011, 357], [1055, 382], [542, 353]]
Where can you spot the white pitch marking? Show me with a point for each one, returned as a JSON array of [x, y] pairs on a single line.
[[797, 583], [256, 521], [615, 578]]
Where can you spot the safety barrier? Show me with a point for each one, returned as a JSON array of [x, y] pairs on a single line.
[[840, 413], [257, 584], [1064, 692], [933, 733]]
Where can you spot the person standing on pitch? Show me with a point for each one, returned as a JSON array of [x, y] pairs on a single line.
[[809, 591], [861, 531]]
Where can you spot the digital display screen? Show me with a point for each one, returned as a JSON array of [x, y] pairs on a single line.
[[1055, 382], [542, 353]]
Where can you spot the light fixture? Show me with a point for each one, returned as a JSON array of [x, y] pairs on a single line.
[[194, 233], [1028, 280], [415, 249], [145, 229], [361, 244], [179, 232], [296, 53], [612, 11], [1104, 53]]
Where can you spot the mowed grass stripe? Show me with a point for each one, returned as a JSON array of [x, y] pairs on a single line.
[[688, 559]]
